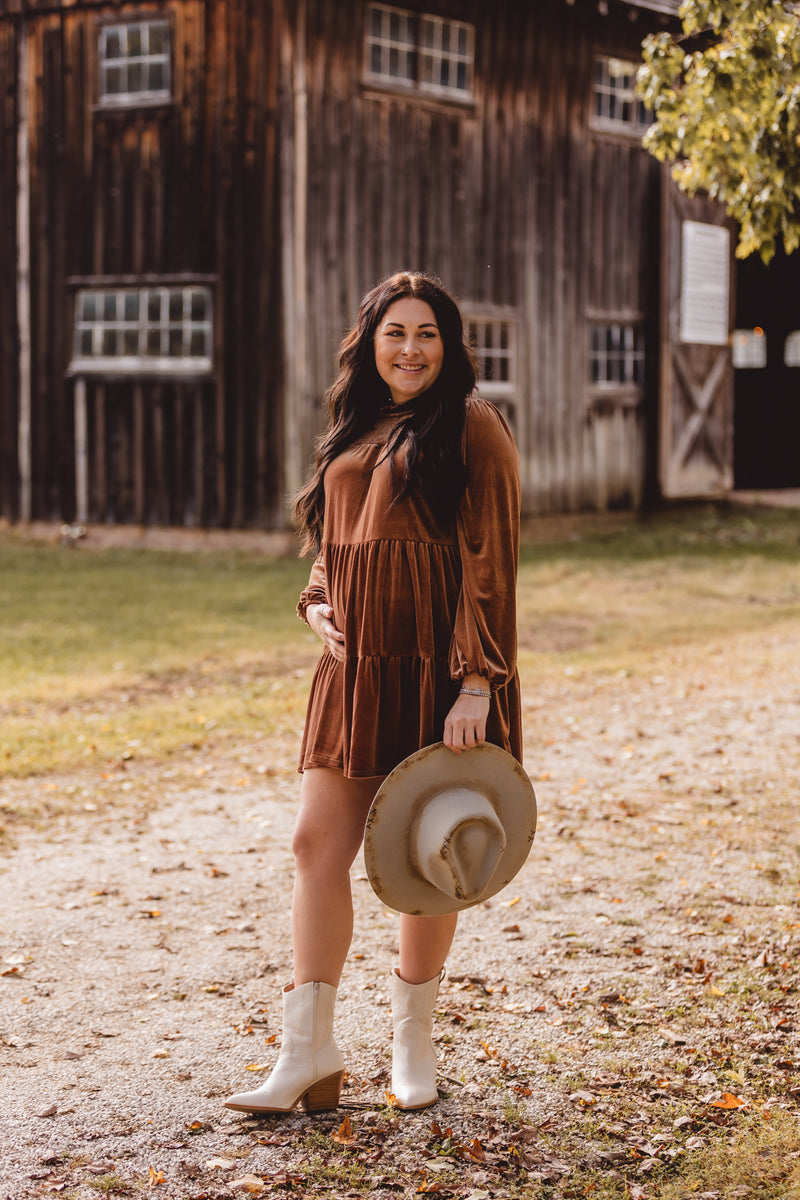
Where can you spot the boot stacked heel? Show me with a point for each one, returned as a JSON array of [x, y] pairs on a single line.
[[323, 1095]]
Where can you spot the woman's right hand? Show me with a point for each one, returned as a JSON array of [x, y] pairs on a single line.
[[320, 618]]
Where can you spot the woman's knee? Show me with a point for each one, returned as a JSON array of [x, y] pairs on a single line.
[[331, 820]]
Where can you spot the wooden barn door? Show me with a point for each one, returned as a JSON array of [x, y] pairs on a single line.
[[696, 393]]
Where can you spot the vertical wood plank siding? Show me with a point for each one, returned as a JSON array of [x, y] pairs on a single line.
[[9, 349], [183, 188], [512, 199]]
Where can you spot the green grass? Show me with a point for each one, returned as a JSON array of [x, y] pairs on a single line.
[[118, 654]]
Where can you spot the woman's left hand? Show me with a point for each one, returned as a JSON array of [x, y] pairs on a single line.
[[465, 724]]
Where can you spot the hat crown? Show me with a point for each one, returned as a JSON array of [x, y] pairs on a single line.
[[457, 843], [447, 830]]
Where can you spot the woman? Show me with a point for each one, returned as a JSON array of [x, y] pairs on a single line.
[[414, 513]]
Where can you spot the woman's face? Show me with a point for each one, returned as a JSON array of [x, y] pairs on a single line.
[[409, 351]]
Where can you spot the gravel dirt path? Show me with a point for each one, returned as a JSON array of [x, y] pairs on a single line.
[[642, 965]]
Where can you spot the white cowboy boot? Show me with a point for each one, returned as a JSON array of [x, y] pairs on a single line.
[[310, 1067], [413, 1056]]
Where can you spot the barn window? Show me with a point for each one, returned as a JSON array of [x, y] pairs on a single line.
[[615, 105], [164, 330], [617, 355], [494, 340], [749, 349], [427, 53], [791, 350], [134, 63]]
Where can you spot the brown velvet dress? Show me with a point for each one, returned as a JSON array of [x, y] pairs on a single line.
[[420, 606]]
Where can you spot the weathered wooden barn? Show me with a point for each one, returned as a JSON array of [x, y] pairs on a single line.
[[194, 194]]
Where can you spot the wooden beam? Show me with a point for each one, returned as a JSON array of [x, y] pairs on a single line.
[[24, 280], [294, 211], [81, 452]]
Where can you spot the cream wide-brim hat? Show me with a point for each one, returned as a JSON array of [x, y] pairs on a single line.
[[446, 830]]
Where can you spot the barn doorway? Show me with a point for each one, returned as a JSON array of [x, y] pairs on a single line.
[[766, 360]]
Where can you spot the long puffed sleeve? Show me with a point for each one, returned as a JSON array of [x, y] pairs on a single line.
[[316, 590], [484, 638]]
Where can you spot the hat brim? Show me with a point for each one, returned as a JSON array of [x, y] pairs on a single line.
[[486, 769]]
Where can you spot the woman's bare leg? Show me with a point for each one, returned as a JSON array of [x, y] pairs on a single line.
[[424, 945], [327, 836]]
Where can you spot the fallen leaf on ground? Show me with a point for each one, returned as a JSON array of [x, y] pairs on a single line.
[[344, 1134], [247, 1183], [728, 1100], [157, 1177]]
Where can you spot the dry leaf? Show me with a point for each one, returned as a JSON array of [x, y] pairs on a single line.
[[257, 1067], [475, 1151], [156, 1177], [344, 1135], [221, 1163], [247, 1183], [728, 1100]]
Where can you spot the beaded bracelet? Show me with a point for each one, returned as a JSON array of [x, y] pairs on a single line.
[[475, 692]]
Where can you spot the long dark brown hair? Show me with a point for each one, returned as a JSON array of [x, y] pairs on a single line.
[[430, 434]]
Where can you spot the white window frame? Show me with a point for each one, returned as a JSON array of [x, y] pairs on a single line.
[[749, 350], [126, 60], [494, 340], [791, 349], [148, 330], [616, 108], [617, 356], [420, 50]]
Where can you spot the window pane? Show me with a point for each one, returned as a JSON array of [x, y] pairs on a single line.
[[113, 80], [749, 349], [617, 355], [87, 306], [614, 98], [135, 77], [134, 60], [158, 42], [169, 323], [791, 350], [156, 77], [134, 47]]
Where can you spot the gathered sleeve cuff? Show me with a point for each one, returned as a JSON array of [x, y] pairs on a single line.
[[316, 590], [484, 640]]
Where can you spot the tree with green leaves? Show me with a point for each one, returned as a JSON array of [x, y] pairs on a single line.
[[725, 96]]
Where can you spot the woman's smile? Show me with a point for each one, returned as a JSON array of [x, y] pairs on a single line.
[[408, 348]]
